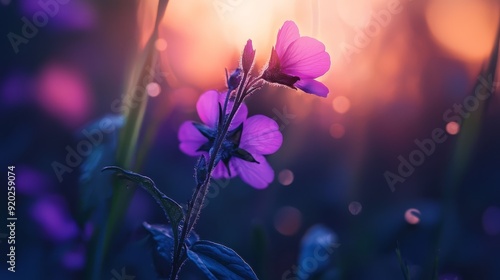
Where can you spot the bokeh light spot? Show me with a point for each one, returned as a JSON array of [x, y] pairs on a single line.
[[160, 44], [64, 94], [412, 216], [285, 177], [452, 128], [491, 220], [341, 104], [355, 208], [153, 89], [288, 220], [470, 39], [337, 130]]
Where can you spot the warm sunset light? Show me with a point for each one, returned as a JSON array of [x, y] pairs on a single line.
[[455, 27], [250, 139]]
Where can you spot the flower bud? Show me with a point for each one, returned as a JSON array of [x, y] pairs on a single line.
[[234, 80], [247, 57]]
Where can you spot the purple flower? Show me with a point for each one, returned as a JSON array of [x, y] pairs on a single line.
[[246, 143], [297, 61]]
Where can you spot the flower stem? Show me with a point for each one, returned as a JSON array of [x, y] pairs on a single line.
[[196, 203]]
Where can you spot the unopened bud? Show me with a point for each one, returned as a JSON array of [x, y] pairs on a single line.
[[248, 57]]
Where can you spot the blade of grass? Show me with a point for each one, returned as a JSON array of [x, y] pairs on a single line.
[[436, 267], [126, 151], [464, 148], [402, 263]]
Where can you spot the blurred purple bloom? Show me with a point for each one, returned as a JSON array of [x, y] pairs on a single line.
[[51, 213], [15, 89], [31, 181], [60, 15], [243, 150], [297, 61], [74, 258]]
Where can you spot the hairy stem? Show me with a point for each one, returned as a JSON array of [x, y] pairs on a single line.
[[200, 192]]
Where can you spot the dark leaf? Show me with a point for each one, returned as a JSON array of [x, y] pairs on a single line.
[[219, 262], [164, 246], [164, 238], [172, 209]]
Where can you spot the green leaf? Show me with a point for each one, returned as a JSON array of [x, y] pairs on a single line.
[[219, 262], [172, 209]]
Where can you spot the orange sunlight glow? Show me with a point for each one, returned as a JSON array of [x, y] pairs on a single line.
[[200, 39], [455, 26], [354, 12]]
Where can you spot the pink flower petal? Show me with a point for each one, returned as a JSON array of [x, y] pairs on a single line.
[[313, 86], [208, 107], [191, 139], [305, 58], [258, 175], [261, 135], [220, 171], [288, 33]]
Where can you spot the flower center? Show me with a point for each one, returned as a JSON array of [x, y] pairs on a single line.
[[230, 145]]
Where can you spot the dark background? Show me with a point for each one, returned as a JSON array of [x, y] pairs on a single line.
[[68, 75]]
